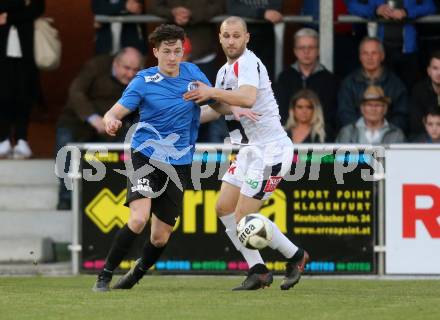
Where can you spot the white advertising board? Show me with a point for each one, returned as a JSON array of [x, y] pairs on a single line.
[[412, 212]]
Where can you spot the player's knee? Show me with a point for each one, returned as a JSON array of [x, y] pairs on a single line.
[[222, 208], [137, 223], [160, 240]]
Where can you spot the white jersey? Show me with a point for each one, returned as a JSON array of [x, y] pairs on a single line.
[[249, 70]]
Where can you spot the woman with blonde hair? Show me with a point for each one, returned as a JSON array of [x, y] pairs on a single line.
[[306, 121]]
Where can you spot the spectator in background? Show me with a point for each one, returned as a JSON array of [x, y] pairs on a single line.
[[100, 82], [194, 16], [131, 34], [425, 95], [18, 77], [308, 73], [346, 37], [431, 121], [371, 72], [262, 42], [306, 120], [429, 38], [372, 127], [400, 37]]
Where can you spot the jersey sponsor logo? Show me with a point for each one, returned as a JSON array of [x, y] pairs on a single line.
[[192, 85], [156, 78], [272, 183]]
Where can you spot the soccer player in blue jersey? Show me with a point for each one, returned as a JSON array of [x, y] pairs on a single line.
[[164, 138]]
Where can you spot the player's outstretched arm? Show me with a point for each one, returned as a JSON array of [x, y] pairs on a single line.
[[245, 96], [208, 114], [112, 118]]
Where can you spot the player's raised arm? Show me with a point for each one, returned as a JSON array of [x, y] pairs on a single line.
[[245, 96], [112, 118]]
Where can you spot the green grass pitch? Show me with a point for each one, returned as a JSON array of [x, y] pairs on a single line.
[[198, 297]]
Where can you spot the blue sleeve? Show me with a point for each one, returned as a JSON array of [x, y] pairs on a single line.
[[132, 95], [366, 9], [416, 10]]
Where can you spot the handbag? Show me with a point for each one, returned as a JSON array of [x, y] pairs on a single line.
[[47, 45]]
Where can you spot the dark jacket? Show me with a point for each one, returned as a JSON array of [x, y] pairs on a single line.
[[132, 34], [414, 9], [423, 99], [93, 91], [22, 17], [322, 82], [202, 33], [353, 87], [309, 139]]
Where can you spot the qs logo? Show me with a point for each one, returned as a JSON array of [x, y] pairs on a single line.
[[107, 210]]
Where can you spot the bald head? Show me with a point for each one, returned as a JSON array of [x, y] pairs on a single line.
[[234, 20], [126, 64]]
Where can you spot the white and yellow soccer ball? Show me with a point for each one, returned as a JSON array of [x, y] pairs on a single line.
[[254, 231]]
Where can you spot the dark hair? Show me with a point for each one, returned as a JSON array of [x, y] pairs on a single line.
[[168, 33], [432, 111], [434, 55]]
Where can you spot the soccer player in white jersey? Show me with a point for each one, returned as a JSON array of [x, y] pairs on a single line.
[[265, 155]]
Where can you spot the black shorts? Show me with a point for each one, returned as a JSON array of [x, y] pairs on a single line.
[[166, 197]]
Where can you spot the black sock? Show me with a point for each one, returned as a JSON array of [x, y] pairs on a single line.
[[297, 256], [259, 268], [150, 255], [121, 245]]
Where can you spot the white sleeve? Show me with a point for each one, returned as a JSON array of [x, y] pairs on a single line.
[[220, 77], [248, 73]]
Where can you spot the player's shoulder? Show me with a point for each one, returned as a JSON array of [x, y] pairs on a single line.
[[189, 67], [248, 57], [151, 74]]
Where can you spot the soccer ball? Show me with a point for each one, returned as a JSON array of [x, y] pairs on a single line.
[[254, 231]]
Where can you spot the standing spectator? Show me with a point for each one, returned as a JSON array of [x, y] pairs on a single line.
[[194, 17], [425, 95], [429, 38], [400, 37], [131, 34], [308, 73], [306, 121], [372, 127], [262, 42], [18, 79], [371, 72], [431, 121], [100, 82]]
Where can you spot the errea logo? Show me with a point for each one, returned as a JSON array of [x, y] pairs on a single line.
[[192, 85], [156, 78]]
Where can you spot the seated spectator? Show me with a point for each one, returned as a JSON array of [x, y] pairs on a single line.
[[97, 87], [400, 37], [262, 41], [18, 79], [431, 121], [372, 127], [371, 72], [308, 73], [425, 94], [131, 34], [306, 121]]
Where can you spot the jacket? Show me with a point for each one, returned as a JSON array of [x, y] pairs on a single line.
[[414, 9], [350, 134], [353, 87], [423, 99]]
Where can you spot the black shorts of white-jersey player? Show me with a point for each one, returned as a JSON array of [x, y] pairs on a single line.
[[243, 81]]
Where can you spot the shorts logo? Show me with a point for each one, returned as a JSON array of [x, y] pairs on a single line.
[[272, 183], [192, 85], [232, 168], [143, 185], [252, 183], [156, 78]]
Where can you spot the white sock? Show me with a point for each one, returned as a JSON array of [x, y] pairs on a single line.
[[252, 257], [280, 242]]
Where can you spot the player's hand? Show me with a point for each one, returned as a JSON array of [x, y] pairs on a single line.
[[133, 6], [112, 126], [3, 18], [239, 112], [200, 94], [273, 16]]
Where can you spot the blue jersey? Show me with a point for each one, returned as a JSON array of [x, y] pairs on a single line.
[[168, 125]]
